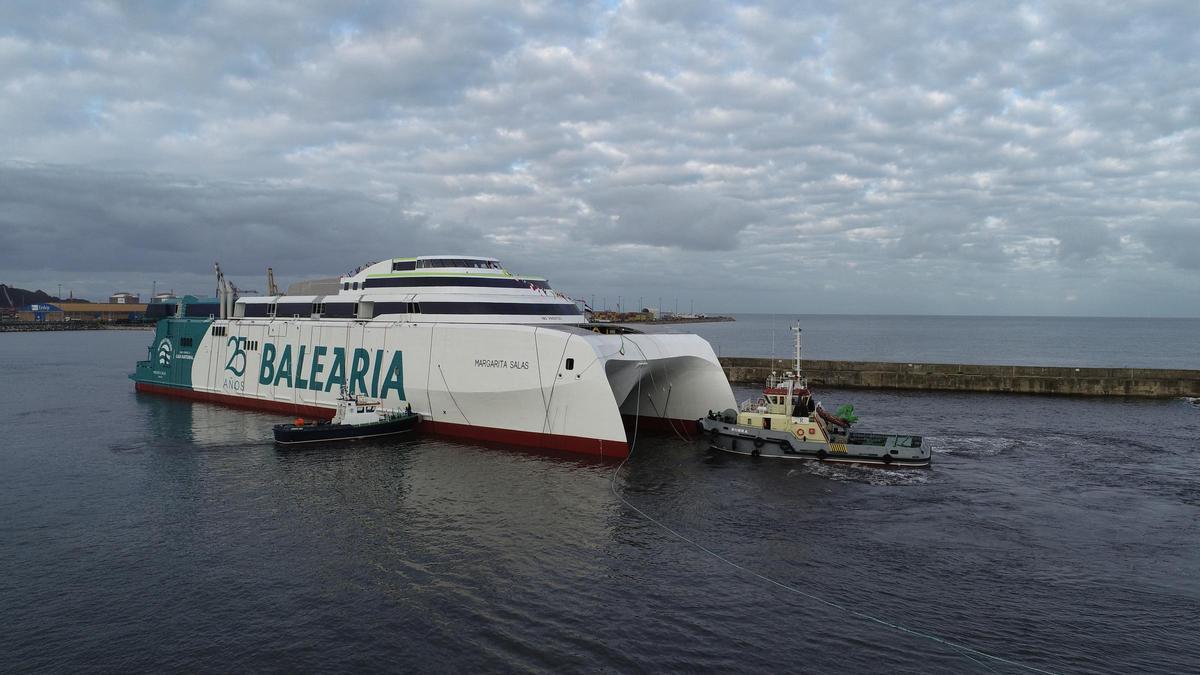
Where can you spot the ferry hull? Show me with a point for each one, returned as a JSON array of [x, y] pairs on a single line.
[[534, 386]]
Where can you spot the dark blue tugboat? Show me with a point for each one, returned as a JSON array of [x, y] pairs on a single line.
[[356, 417]]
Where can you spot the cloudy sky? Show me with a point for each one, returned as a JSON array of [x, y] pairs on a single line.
[[933, 158]]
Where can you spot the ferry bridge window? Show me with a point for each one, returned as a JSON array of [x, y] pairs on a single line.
[[570, 364], [355, 285], [346, 286], [455, 262], [404, 265]]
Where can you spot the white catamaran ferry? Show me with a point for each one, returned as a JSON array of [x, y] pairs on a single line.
[[478, 351]]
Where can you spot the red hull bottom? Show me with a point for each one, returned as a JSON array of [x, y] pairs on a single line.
[[575, 444]]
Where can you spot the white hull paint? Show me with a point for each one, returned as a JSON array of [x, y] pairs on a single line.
[[477, 378]]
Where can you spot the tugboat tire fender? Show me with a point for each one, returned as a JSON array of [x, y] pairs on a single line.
[[758, 443], [887, 459], [821, 453], [785, 445]]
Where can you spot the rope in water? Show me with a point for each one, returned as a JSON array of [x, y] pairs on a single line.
[[968, 652]]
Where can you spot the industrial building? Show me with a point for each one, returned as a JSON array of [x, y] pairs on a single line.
[[82, 311]]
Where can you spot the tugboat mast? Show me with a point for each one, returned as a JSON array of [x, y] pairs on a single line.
[[796, 330]]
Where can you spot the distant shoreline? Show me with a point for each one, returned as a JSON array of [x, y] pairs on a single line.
[[657, 322]]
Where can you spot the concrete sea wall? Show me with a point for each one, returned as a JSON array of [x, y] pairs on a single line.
[[1145, 382]]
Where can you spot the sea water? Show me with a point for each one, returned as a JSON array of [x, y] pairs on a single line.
[[143, 533]]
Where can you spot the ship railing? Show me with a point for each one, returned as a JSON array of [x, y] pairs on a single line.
[[751, 405]]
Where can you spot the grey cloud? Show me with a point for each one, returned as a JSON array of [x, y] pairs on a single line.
[[89, 221], [659, 215], [1056, 143]]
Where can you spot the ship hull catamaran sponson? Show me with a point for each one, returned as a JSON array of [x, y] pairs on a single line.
[[479, 352]]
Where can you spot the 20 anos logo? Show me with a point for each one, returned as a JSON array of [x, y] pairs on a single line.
[[165, 353]]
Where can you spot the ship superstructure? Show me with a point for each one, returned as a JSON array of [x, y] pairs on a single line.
[[478, 351]]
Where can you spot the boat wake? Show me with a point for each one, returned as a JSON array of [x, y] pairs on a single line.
[[976, 446], [870, 475]]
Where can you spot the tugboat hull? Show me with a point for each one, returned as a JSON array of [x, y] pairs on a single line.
[[288, 434], [861, 448]]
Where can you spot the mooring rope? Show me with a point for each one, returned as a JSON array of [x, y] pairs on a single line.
[[963, 650], [661, 414]]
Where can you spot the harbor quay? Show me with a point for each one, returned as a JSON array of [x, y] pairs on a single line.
[[1142, 382], [38, 326]]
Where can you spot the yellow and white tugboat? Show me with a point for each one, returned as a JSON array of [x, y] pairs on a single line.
[[787, 422]]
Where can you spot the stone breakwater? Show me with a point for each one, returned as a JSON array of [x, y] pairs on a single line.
[[1145, 382]]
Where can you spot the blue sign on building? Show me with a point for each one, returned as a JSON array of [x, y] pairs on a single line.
[[41, 310]]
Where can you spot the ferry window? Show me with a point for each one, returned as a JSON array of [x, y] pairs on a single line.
[[346, 286], [185, 342], [404, 265], [271, 309], [318, 308], [570, 364], [355, 285]]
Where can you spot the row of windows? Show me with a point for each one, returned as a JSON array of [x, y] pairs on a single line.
[[409, 265], [219, 331], [202, 309], [522, 308], [406, 282], [333, 310], [397, 308], [157, 310], [348, 310]]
